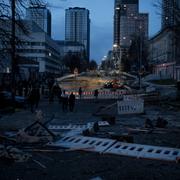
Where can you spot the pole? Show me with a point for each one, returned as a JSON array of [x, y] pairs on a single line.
[[140, 61], [13, 51]]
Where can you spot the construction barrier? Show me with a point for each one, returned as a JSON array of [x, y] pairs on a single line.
[[144, 151], [132, 106], [83, 142], [103, 94], [75, 126], [109, 146]]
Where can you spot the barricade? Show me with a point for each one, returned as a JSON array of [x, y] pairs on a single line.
[[144, 151], [83, 142], [133, 106], [103, 94], [109, 146]]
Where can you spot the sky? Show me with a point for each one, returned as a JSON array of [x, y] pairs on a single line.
[[101, 15]]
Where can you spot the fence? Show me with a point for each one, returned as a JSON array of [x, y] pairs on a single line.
[[130, 105], [103, 94]]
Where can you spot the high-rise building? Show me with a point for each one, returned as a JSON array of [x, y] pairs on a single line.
[[170, 12], [77, 27], [41, 16], [128, 22]]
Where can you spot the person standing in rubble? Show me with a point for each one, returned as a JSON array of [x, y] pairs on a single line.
[[80, 92], [64, 99], [71, 102], [96, 92]]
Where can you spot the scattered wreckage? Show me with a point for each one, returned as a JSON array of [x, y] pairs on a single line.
[[46, 137]]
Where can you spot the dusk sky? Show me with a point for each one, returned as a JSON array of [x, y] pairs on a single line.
[[101, 15]]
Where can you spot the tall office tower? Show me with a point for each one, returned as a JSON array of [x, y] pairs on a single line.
[[128, 22], [77, 27], [170, 13], [41, 16]]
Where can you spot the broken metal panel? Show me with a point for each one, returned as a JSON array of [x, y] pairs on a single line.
[[110, 146], [66, 127], [144, 151], [82, 142], [75, 126]]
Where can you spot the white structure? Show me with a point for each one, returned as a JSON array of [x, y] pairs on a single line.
[[41, 16], [36, 51], [77, 27], [130, 106]]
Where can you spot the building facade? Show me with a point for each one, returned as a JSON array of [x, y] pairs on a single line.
[[164, 47], [128, 22], [36, 52], [77, 27], [71, 46], [170, 13], [41, 16], [162, 55]]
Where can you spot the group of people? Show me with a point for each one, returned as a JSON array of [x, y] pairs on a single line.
[[67, 101]]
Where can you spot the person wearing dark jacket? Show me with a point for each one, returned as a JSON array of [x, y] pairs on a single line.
[[71, 102]]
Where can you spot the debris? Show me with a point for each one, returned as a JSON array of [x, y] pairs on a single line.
[[14, 154], [109, 118], [161, 123], [36, 132], [96, 178], [23, 137], [91, 130], [110, 146], [102, 109], [148, 123], [40, 164]]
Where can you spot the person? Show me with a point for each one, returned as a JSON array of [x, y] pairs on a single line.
[[32, 99], [96, 93], [59, 94], [64, 99], [80, 92], [71, 102]]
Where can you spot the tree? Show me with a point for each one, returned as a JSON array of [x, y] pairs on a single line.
[[93, 65], [72, 61], [11, 13], [137, 54]]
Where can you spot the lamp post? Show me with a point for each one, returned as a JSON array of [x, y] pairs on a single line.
[[140, 54]]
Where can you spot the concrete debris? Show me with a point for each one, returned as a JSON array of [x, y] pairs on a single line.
[[159, 123], [23, 137], [148, 123], [109, 118], [14, 154], [96, 178]]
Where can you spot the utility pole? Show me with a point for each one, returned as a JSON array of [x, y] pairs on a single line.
[[13, 51]]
